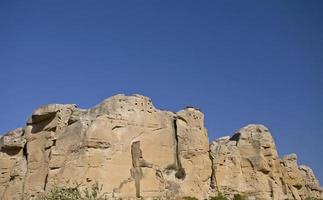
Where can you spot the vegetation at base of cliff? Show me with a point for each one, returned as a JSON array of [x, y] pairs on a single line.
[[95, 193], [239, 197], [74, 193], [220, 197], [190, 198]]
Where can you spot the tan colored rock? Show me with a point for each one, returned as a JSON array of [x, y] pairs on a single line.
[[138, 151], [124, 143], [248, 163], [193, 152], [300, 180], [13, 165]]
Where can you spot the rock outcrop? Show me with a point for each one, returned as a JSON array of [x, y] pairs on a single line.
[[248, 163], [137, 151]]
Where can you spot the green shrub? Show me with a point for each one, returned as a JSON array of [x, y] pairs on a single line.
[[94, 193], [60, 193], [180, 173], [238, 197], [74, 193], [219, 197], [190, 198]]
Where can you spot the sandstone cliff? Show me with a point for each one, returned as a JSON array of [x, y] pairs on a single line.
[[248, 163], [135, 150]]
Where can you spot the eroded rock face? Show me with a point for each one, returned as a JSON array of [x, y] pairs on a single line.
[[13, 164], [300, 181], [248, 163], [124, 143], [138, 151]]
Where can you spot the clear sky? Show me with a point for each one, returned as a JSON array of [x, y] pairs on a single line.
[[241, 62]]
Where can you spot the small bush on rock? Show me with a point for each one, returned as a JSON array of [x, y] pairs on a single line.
[[312, 198], [190, 198], [62, 194], [74, 193], [238, 197], [219, 197]]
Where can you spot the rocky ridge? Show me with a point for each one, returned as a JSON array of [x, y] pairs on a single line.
[[138, 151]]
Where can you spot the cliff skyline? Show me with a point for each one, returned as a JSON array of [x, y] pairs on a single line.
[[137, 151], [241, 63]]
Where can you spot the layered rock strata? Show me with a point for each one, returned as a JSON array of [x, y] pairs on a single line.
[[137, 151]]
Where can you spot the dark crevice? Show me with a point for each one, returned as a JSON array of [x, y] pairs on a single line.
[[38, 125], [235, 137], [115, 127], [24, 152], [12, 178], [10, 152], [71, 121], [40, 118], [46, 181], [136, 173], [271, 189], [181, 118], [50, 150], [25, 155], [178, 161], [54, 168], [52, 129], [180, 171], [213, 183]]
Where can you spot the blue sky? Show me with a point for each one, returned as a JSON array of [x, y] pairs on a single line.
[[241, 62]]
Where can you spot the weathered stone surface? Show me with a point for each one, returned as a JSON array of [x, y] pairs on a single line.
[[13, 164], [299, 180], [248, 163], [137, 151], [13, 140], [124, 143], [193, 152]]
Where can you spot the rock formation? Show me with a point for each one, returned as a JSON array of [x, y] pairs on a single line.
[[248, 163], [137, 151]]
